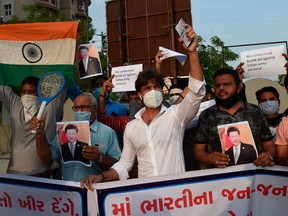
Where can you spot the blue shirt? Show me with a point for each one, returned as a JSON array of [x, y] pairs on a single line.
[[104, 138], [114, 107]]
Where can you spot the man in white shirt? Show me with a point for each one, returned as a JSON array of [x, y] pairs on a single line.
[[155, 135]]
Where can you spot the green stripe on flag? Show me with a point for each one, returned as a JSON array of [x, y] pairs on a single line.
[[12, 75]]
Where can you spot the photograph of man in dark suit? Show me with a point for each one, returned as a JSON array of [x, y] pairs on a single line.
[[72, 150], [239, 153], [88, 65]]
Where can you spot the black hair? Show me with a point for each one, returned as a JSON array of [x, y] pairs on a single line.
[[31, 80], [230, 71], [129, 93], [176, 86], [83, 47], [208, 88], [96, 78], [145, 76], [232, 129], [71, 127], [286, 81], [266, 89]]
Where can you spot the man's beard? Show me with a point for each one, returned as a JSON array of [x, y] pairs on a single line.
[[229, 102]]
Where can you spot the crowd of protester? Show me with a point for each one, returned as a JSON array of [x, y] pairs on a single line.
[[149, 136]]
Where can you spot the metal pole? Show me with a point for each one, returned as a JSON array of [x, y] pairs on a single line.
[[253, 44], [87, 21]]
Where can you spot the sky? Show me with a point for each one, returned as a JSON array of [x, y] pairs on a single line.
[[234, 22]]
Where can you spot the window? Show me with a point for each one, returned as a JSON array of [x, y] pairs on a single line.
[[8, 10]]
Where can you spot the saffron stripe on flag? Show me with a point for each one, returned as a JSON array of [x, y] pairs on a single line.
[[38, 31]]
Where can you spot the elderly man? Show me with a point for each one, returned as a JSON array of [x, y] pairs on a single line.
[[103, 152]]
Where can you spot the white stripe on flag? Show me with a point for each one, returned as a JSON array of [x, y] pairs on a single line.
[[54, 52]]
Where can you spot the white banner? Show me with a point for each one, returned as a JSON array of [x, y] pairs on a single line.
[[24, 195], [238, 190], [244, 190]]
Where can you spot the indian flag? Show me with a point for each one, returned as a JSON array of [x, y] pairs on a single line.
[[33, 49]]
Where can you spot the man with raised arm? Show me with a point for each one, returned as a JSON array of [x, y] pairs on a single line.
[[155, 136]]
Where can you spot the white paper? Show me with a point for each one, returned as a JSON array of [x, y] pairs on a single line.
[[125, 77], [180, 28], [167, 53], [264, 62]]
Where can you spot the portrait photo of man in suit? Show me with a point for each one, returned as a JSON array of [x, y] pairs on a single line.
[[72, 149], [88, 65], [239, 153]]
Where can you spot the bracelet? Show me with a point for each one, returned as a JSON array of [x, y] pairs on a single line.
[[102, 176], [181, 96], [102, 95]]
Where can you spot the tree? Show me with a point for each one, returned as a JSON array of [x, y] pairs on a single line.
[[41, 14], [211, 57]]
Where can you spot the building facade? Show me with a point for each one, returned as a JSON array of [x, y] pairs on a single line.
[[72, 9]]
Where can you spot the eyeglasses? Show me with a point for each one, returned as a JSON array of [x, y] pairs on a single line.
[[82, 108]]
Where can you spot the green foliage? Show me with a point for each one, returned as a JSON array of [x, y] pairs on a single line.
[[38, 14], [13, 20], [211, 56], [82, 29], [103, 59]]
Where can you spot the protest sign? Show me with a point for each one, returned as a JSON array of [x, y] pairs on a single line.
[[264, 62], [125, 77]]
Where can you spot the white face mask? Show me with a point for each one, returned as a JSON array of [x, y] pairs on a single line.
[[153, 99], [31, 104], [269, 107]]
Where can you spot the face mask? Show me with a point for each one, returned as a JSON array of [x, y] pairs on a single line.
[[229, 102], [172, 99], [82, 116], [96, 92], [31, 104], [269, 107], [153, 99]]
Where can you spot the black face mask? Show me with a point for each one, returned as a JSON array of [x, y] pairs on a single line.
[[229, 102]]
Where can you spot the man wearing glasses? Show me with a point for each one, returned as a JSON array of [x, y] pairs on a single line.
[[103, 152]]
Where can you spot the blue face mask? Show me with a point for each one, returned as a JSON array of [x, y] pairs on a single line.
[[269, 107], [96, 92], [82, 116]]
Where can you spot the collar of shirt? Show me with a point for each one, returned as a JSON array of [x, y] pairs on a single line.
[[139, 114], [72, 143], [238, 147], [94, 126]]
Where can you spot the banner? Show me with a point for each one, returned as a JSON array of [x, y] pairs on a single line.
[[24, 195], [243, 190], [33, 49], [238, 190]]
